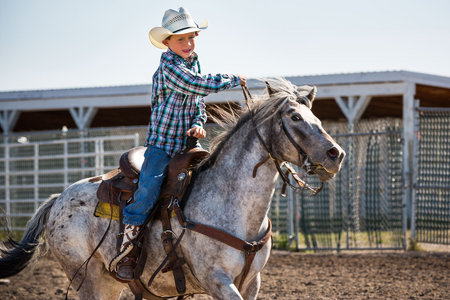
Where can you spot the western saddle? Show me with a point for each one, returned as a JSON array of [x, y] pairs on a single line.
[[117, 190]]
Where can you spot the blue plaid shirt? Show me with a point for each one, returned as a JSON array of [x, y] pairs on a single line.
[[177, 100]]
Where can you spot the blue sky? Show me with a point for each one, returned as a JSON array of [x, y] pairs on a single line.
[[51, 44]]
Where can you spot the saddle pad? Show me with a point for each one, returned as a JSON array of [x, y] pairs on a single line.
[[103, 210]]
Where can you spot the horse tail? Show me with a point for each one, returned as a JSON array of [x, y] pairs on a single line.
[[15, 256]]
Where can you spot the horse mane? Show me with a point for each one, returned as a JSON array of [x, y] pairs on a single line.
[[263, 108]]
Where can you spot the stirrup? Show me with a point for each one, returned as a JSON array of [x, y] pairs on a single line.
[[120, 256]]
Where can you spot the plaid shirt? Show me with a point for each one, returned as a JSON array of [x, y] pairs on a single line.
[[177, 100]]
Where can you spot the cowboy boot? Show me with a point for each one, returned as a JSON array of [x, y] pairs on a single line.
[[125, 262]]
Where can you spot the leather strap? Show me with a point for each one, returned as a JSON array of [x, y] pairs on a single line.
[[291, 139], [167, 240], [249, 248], [255, 169], [268, 148], [249, 257], [165, 259]]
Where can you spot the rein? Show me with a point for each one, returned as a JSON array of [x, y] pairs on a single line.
[[290, 170]]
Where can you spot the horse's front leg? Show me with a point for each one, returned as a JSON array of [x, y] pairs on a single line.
[[250, 290], [221, 286]]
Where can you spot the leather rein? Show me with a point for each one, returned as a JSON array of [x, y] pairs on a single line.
[[302, 185]]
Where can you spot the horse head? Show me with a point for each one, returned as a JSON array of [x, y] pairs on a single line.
[[293, 133]]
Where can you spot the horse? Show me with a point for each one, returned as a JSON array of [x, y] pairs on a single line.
[[229, 193]]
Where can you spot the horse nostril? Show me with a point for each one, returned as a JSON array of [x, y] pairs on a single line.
[[333, 153]]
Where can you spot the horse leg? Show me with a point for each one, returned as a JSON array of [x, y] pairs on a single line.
[[251, 289], [221, 286], [97, 284], [93, 282]]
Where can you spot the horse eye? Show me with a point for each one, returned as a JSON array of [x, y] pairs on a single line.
[[296, 118]]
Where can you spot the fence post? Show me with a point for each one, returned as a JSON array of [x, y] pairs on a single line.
[[7, 189], [290, 218], [408, 137], [414, 169], [296, 229], [66, 163], [36, 176], [350, 184], [136, 139]]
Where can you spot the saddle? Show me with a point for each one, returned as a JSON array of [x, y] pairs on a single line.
[[117, 190]]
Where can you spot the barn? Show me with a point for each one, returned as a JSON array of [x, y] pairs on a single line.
[[393, 125]]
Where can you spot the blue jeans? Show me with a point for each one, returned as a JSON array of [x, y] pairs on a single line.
[[153, 173]]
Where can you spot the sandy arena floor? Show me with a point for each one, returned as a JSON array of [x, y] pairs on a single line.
[[399, 275]]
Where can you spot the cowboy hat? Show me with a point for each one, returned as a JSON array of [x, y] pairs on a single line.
[[174, 22]]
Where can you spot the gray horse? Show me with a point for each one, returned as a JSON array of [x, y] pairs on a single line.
[[225, 195]]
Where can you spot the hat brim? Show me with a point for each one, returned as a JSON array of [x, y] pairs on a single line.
[[158, 34]]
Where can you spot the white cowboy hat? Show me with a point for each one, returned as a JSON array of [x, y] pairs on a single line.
[[174, 22]]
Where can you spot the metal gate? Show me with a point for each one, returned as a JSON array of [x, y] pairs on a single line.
[[362, 208], [430, 220], [32, 170]]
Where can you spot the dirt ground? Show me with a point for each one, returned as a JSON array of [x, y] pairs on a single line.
[[394, 275]]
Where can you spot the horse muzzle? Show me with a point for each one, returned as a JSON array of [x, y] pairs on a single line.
[[328, 167]]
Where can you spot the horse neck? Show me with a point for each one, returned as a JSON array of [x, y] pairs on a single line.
[[242, 198]]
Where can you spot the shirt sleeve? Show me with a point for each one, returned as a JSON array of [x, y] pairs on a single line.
[[200, 117], [181, 79]]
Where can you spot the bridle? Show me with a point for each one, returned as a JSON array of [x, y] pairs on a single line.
[[309, 167]]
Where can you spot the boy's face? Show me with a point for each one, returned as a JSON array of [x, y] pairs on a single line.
[[182, 44]]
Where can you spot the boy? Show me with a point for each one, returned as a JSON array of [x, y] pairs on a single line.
[[178, 109]]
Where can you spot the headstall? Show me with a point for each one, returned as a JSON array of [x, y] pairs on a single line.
[[307, 165]]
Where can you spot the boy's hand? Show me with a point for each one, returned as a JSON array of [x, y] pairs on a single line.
[[197, 132], [242, 80]]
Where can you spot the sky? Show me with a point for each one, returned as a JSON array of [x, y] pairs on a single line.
[[54, 44]]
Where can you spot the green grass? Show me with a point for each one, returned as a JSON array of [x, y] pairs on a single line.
[[383, 239], [414, 246], [15, 235]]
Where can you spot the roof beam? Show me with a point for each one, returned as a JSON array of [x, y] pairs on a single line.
[[373, 89], [8, 119], [83, 116], [353, 107]]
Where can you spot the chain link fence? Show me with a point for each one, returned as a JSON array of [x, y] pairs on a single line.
[[432, 180], [362, 207]]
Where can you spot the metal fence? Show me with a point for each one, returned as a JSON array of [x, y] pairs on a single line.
[[33, 167], [431, 199], [362, 207]]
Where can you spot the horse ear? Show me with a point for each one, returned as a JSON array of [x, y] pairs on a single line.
[[306, 94], [312, 94], [269, 89]]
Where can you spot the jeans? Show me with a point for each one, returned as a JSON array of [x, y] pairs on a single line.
[[153, 173]]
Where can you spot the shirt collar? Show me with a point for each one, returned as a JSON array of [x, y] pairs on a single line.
[[170, 55]]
